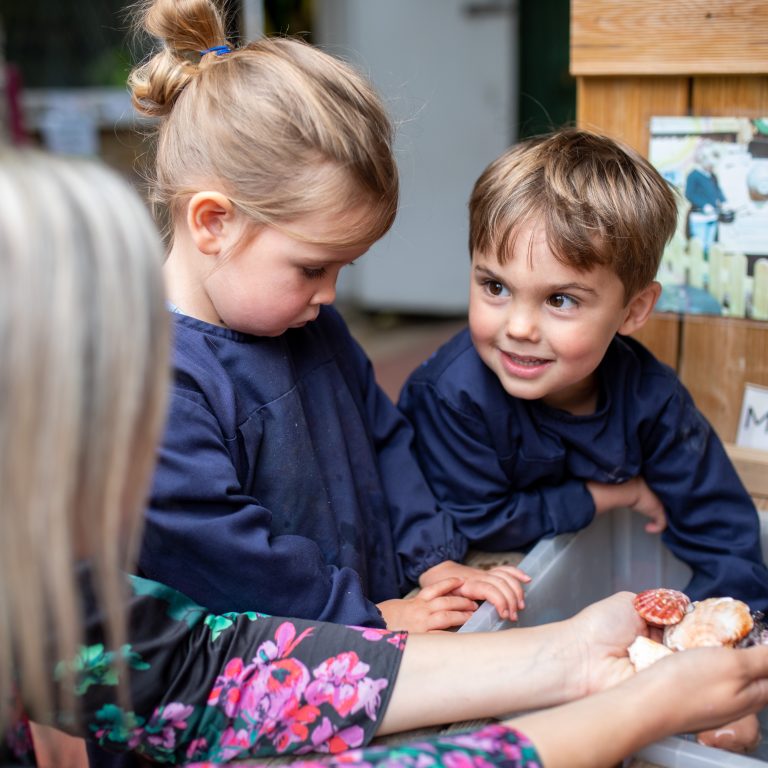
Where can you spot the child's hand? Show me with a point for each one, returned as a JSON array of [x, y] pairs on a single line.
[[437, 606], [500, 586], [634, 494], [742, 735]]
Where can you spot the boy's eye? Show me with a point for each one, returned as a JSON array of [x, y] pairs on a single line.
[[495, 288], [562, 301], [313, 274]]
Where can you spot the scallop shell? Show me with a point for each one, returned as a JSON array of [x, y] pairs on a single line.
[[662, 607], [643, 652], [712, 622]]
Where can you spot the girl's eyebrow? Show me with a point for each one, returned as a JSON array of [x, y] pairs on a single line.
[[554, 288]]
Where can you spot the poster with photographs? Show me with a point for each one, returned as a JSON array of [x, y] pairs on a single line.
[[717, 262]]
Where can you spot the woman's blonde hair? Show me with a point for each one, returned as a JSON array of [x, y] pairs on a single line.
[[83, 379], [600, 203], [282, 128]]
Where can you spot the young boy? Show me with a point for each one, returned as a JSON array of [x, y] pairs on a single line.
[[543, 412]]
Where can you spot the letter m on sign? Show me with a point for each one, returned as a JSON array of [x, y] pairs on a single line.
[[753, 419], [753, 423]]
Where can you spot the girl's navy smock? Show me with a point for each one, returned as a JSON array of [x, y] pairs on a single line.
[[286, 481]]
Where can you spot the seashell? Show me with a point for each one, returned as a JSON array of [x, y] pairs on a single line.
[[712, 622], [662, 607], [643, 652]]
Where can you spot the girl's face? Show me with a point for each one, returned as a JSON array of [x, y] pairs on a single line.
[[276, 281]]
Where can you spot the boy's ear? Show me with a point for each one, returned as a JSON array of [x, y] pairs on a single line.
[[639, 308], [210, 217]]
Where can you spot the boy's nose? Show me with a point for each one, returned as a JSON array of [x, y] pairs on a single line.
[[522, 324]]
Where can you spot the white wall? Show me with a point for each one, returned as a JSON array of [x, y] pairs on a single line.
[[447, 70]]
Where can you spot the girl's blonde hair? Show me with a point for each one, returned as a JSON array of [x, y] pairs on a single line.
[[282, 128], [83, 379]]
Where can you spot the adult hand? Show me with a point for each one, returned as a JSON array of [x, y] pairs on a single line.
[[601, 634], [706, 687], [688, 691]]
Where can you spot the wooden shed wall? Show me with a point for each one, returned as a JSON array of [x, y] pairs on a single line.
[[680, 57]]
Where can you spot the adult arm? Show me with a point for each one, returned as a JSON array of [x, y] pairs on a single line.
[[687, 692], [221, 687], [207, 686], [457, 453]]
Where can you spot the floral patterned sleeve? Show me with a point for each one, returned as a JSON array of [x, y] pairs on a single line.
[[207, 687], [491, 745]]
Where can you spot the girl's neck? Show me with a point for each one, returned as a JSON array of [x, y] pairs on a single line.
[[185, 288]]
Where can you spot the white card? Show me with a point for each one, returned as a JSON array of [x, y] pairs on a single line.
[[753, 423]]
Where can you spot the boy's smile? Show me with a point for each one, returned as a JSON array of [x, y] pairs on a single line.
[[542, 326]]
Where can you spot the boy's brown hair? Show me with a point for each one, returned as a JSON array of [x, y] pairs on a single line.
[[600, 203]]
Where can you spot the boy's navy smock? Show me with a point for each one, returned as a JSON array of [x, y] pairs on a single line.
[[512, 471], [286, 481]]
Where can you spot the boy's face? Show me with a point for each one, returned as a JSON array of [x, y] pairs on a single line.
[[541, 326]]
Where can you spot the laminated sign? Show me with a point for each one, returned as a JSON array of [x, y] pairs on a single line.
[[753, 424]]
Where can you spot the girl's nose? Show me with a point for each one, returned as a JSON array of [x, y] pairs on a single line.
[[326, 292]]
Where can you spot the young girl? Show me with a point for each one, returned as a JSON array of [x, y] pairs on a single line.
[[286, 477], [144, 668]]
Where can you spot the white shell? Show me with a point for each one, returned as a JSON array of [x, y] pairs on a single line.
[[712, 622], [643, 652]]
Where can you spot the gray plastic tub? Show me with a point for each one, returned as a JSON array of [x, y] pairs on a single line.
[[614, 553]]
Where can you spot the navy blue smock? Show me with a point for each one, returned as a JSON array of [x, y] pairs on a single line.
[[512, 471], [286, 480]]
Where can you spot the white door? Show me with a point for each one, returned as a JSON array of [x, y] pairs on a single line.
[[447, 71]]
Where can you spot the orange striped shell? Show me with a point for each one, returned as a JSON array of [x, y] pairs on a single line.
[[662, 607]]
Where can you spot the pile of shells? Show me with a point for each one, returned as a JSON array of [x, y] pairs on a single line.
[[711, 622]]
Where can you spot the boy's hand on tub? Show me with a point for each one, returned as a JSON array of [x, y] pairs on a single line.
[[742, 735], [501, 586], [434, 607], [634, 494]]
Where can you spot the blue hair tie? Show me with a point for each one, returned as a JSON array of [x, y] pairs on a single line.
[[219, 50]]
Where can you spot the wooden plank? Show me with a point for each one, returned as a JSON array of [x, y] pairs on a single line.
[[719, 356], [661, 335], [623, 106], [752, 466], [668, 37], [744, 96]]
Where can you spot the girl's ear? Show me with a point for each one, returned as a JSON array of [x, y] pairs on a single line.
[[210, 218], [639, 308]]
